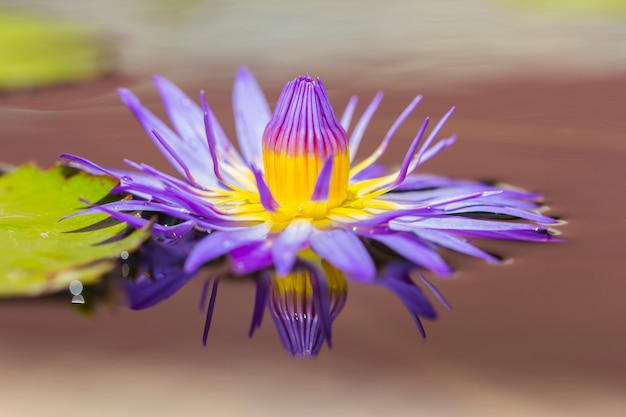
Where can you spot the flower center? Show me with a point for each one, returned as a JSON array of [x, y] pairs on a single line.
[[301, 136]]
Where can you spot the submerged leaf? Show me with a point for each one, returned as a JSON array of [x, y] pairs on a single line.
[[41, 254]]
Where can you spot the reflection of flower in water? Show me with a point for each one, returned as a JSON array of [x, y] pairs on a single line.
[[303, 303], [294, 193]]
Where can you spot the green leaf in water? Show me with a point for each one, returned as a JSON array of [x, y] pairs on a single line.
[[42, 255], [609, 8], [37, 51]]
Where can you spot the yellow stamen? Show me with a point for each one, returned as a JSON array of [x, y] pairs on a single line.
[[292, 178]]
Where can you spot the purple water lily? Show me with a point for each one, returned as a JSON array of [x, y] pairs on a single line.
[[294, 192]]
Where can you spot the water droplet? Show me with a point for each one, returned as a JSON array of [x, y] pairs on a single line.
[[227, 244], [126, 178], [354, 229], [125, 270], [124, 255], [240, 265], [76, 287]]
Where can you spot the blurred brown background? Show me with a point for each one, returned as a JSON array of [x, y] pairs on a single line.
[[541, 99]]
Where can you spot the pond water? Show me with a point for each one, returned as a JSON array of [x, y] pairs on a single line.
[[542, 335]]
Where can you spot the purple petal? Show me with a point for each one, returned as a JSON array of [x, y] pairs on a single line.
[[218, 243], [396, 278], [345, 251], [126, 178], [181, 163], [149, 292], [195, 160], [131, 220], [210, 138], [539, 235], [433, 188], [321, 302], [435, 291], [260, 301], [498, 209], [139, 222], [394, 127], [124, 205], [359, 129], [449, 241], [265, 194], [288, 243], [322, 184], [460, 223], [185, 115], [251, 258], [433, 134], [415, 251], [87, 166], [420, 212], [404, 168], [252, 114], [209, 313], [434, 150], [346, 118], [169, 278], [476, 228], [161, 263]]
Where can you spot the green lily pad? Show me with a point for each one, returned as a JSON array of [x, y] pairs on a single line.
[[583, 7], [40, 254], [38, 50]]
